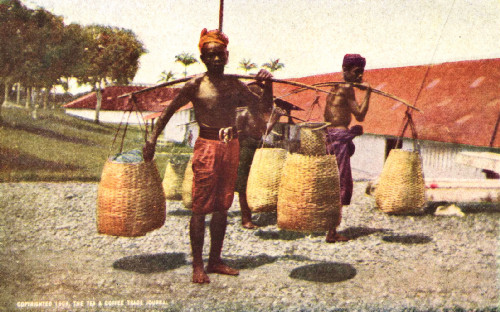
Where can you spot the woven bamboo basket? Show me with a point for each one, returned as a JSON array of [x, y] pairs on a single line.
[[313, 138], [130, 199], [172, 182], [264, 179], [187, 185], [309, 194], [401, 186]]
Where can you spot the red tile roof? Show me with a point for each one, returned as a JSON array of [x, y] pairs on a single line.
[[460, 100], [154, 100]]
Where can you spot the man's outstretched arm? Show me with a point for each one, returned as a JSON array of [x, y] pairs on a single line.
[[182, 99]]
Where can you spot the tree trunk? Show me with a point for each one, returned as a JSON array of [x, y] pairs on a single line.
[[54, 100], [6, 97], [98, 104], [18, 99], [1, 121], [36, 104], [46, 98], [28, 97]]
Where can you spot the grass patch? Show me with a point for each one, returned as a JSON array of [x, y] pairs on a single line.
[[58, 147]]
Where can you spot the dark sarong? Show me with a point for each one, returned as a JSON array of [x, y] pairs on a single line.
[[339, 143], [248, 146], [215, 166]]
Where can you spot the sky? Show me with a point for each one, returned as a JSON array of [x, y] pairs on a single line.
[[308, 36]]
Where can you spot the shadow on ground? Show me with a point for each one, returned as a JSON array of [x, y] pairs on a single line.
[[407, 239], [252, 262], [266, 218], [480, 207], [357, 232], [466, 207], [145, 264], [50, 134], [14, 160], [326, 272], [182, 212], [281, 235], [99, 128]]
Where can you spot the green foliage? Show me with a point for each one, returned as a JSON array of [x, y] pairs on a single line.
[[247, 65], [186, 59], [112, 56], [166, 77], [14, 19], [273, 65], [58, 147], [38, 50]]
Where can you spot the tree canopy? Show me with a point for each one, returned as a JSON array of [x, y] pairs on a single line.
[[38, 50], [186, 59], [273, 65]]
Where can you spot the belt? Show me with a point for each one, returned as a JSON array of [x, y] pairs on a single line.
[[218, 134]]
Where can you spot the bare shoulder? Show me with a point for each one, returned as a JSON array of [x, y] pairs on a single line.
[[235, 82], [194, 82]]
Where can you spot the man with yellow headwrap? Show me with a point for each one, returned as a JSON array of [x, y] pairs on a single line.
[[215, 98]]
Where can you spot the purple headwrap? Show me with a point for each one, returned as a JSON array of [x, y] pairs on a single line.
[[353, 60]]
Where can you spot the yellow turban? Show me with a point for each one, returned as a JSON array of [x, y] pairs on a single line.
[[212, 36]]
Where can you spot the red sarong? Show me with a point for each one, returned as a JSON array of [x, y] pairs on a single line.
[[215, 169]]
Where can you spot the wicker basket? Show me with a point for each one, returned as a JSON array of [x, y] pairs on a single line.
[[130, 199], [172, 183], [187, 185], [313, 138], [309, 194], [401, 186], [264, 179]]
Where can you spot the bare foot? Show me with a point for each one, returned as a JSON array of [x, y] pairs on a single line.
[[221, 268], [249, 225], [333, 237], [200, 276]]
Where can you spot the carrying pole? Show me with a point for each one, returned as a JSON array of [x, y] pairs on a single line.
[[221, 14], [173, 82]]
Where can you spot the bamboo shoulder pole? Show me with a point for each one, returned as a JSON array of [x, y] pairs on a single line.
[[357, 85], [173, 82]]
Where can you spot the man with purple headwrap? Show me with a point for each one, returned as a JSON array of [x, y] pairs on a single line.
[[340, 105]]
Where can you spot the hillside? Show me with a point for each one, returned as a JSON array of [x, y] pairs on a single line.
[[57, 147]]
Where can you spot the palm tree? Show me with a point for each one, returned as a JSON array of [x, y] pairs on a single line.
[[166, 77], [247, 65], [186, 59], [273, 65]]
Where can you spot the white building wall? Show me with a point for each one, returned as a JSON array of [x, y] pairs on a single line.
[[109, 116], [176, 129], [368, 159], [438, 159]]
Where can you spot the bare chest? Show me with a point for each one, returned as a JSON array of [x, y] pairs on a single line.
[[221, 95]]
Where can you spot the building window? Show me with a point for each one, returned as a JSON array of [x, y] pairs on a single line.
[[391, 143]]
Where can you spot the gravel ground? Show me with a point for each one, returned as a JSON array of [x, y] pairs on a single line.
[[53, 258]]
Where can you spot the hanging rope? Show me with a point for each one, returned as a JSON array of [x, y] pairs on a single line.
[[434, 54], [408, 120]]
